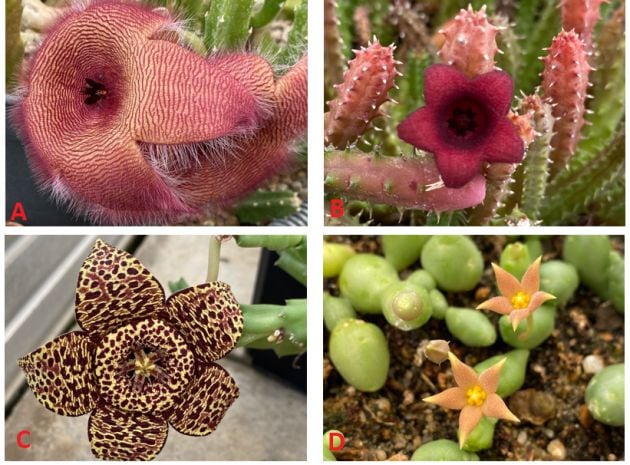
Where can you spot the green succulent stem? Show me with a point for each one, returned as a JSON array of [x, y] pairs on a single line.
[[281, 328], [266, 14], [226, 24], [214, 259]]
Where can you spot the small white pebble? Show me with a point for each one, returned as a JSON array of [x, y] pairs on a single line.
[[592, 364], [557, 450], [521, 438]]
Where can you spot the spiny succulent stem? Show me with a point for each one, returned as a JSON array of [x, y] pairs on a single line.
[[498, 176]]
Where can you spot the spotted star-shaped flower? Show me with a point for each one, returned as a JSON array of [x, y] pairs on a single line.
[[519, 300], [475, 395], [464, 123], [142, 362]]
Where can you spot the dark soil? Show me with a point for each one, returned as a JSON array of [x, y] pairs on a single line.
[[393, 422]]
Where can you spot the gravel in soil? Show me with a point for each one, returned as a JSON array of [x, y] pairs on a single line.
[[555, 423]]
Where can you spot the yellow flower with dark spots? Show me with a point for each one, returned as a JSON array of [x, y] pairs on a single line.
[[142, 362]]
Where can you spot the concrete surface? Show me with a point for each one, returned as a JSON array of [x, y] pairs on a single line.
[[267, 422]]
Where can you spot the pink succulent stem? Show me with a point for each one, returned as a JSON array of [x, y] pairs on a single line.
[[334, 62], [468, 42], [404, 182], [564, 84], [364, 89], [581, 16]]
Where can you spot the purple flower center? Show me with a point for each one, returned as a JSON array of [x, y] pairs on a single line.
[[465, 120]]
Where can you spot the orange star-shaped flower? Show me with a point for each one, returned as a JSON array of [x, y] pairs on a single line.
[[475, 395], [519, 299]]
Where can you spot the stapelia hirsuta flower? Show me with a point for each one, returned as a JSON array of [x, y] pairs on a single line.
[[518, 300], [464, 123], [475, 395], [141, 362]]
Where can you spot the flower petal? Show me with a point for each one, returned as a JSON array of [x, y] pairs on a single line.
[[531, 278], [118, 435], [495, 90], [464, 375], [458, 167], [517, 316], [490, 377], [452, 398], [494, 407], [538, 299], [113, 289], [440, 82], [60, 374], [508, 285], [419, 129], [469, 417], [498, 304], [209, 318], [504, 145], [204, 403]]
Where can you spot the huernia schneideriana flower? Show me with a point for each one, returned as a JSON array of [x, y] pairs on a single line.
[[126, 125], [141, 362], [518, 300], [464, 123], [475, 395]]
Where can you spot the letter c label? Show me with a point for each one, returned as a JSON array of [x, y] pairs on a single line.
[[26, 442]]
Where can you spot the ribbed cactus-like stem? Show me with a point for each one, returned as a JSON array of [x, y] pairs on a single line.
[[581, 16], [404, 182], [510, 59], [362, 25], [468, 42], [564, 84], [364, 89], [536, 164], [411, 25], [334, 61]]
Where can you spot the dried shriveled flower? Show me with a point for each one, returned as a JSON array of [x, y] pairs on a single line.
[[126, 125], [464, 123], [519, 299], [141, 362], [475, 395]]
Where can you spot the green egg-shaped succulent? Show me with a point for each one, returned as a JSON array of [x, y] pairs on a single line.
[[454, 261], [406, 306], [359, 352], [471, 327], [605, 395], [544, 320], [560, 279], [480, 438], [336, 309], [616, 281], [335, 257], [362, 280], [534, 246], [402, 251], [422, 278], [442, 450], [513, 371], [591, 256], [515, 259], [438, 303]]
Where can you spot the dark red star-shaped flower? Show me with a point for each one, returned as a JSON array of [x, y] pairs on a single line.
[[464, 123]]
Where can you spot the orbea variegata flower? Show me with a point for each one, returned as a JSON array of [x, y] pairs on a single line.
[[464, 123], [126, 125], [519, 299], [475, 395], [141, 362]]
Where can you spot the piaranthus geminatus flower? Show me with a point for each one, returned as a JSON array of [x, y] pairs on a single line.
[[141, 362], [464, 123], [518, 300], [475, 395]]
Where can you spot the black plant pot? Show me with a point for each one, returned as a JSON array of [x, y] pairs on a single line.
[[274, 286]]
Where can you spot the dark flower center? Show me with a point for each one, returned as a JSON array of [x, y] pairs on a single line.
[[145, 365], [462, 121], [94, 91]]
